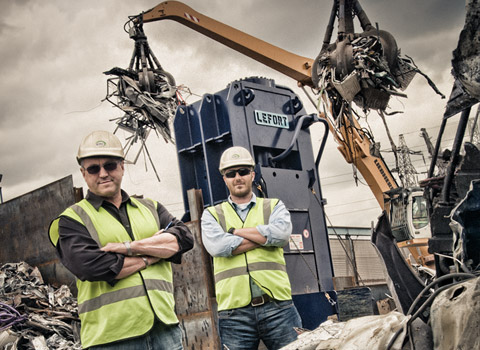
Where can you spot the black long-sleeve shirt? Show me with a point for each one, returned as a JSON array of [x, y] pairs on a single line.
[[80, 253]]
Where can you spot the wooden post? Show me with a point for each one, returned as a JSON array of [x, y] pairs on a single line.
[[194, 287]]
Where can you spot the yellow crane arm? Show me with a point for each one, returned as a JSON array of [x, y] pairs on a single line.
[[355, 147], [294, 66]]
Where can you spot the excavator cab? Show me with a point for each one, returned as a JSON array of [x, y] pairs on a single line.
[[418, 210], [410, 226], [409, 215]]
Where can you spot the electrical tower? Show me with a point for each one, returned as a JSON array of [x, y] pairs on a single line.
[[406, 171]]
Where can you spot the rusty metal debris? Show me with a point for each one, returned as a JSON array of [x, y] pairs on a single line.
[[33, 315]]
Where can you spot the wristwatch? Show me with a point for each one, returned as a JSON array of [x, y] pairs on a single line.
[[231, 230], [129, 248]]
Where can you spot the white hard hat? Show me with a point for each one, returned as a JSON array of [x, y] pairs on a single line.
[[100, 144], [235, 156]]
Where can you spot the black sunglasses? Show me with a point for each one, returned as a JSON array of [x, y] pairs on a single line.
[[95, 169], [242, 172]]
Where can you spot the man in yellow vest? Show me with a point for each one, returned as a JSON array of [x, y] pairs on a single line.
[[245, 236], [120, 248]]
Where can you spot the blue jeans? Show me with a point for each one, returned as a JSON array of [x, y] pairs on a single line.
[[271, 322], [160, 337]]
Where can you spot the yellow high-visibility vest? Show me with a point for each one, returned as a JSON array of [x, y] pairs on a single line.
[[129, 308], [265, 265]]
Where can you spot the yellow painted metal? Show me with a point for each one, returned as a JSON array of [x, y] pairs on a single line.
[[290, 64]]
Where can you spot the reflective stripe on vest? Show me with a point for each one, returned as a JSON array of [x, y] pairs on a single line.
[[111, 313], [123, 294], [266, 265], [238, 271]]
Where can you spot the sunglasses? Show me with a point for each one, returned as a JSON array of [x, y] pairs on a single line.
[[242, 172], [95, 169]]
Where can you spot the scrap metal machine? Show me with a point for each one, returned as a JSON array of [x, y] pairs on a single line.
[[270, 121]]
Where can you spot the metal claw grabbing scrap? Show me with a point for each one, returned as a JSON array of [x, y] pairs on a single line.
[[144, 91], [366, 67]]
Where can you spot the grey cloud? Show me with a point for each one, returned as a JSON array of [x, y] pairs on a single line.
[[53, 54]]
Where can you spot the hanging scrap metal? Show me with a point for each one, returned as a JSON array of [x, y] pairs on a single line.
[[145, 92], [364, 68], [143, 109]]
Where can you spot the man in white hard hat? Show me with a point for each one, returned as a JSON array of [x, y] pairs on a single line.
[[245, 236], [120, 248]]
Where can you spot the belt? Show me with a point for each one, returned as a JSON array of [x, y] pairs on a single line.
[[257, 301]]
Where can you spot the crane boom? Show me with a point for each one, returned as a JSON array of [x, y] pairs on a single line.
[[290, 64], [356, 148]]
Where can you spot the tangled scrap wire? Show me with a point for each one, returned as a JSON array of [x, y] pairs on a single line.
[[9, 316]]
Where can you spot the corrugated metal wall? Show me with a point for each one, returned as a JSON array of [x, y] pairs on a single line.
[[369, 266]]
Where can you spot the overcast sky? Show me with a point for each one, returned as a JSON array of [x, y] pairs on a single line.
[[53, 53]]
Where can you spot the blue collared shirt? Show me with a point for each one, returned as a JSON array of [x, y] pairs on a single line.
[[220, 243]]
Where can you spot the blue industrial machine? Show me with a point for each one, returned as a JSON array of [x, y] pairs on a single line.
[[270, 121]]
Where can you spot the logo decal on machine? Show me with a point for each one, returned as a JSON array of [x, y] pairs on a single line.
[[271, 119]]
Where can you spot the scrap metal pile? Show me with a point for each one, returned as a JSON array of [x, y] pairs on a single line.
[[33, 315]]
